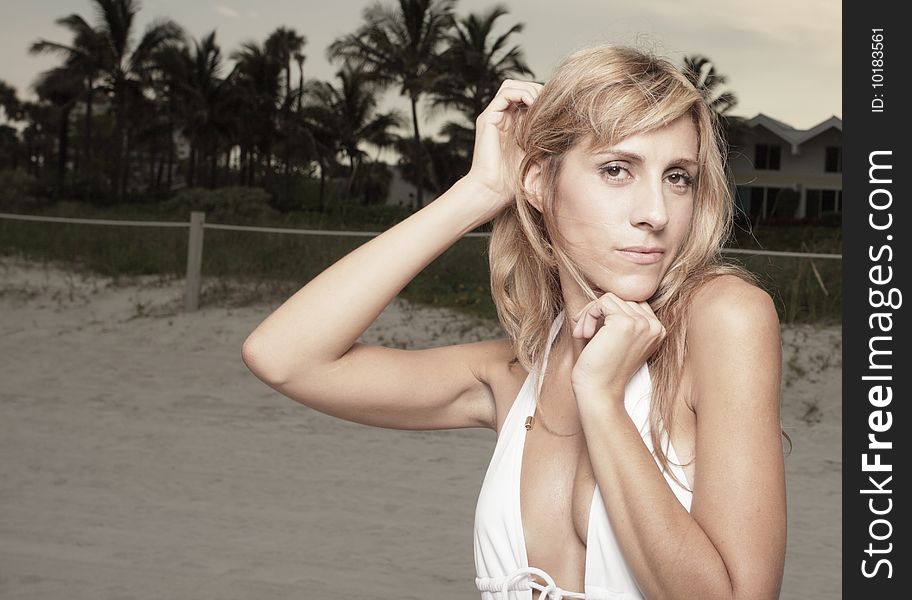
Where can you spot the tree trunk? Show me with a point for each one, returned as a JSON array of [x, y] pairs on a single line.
[[63, 142], [30, 158], [87, 170], [300, 84], [159, 172], [322, 185], [170, 171], [286, 110], [417, 160], [125, 181], [120, 103], [242, 166], [213, 166], [191, 167], [351, 178], [155, 159]]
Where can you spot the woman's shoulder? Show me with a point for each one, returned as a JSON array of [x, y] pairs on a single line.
[[727, 301], [730, 316], [733, 327]]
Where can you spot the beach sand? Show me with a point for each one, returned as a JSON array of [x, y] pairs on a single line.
[[140, 458]]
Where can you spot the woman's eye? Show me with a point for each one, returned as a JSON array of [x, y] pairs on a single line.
[[612, 170], [681, 179]]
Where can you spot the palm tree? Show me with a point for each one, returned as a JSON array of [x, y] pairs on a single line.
[[475, 63], [400, 46], [9, 138], [9, 102], [169, 72], [39, 142], [203, 100], [285, 44], [702, 74], [121, 64], [299, 59], [350, 111], [82, 57], [318, 134], [62, 87], [256, 81]]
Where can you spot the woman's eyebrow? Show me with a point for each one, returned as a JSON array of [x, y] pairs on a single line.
[[636, 157]]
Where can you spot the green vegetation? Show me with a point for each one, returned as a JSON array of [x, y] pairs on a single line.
[[271, 267]]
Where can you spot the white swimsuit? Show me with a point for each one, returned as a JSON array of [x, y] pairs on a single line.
[[501, 565]]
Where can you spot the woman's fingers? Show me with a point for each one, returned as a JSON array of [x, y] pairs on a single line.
[[598, 310], [495, 152], [512, 92], [587, 319], [646, 310]]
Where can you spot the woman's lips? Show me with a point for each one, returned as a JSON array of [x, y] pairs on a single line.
[[641, 258]]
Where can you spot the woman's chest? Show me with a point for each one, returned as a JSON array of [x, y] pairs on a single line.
[[556, 488], [557, 481], [556, 485]]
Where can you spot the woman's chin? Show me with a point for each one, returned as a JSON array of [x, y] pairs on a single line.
[[632, 291]]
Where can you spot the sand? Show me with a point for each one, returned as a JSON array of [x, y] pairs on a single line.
[[140, 459]]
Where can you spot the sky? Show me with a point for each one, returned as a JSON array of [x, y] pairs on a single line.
[[781, 57]]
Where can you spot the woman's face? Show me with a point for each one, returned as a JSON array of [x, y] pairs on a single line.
[[637, 195]]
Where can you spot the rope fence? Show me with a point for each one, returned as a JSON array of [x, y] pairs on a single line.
[[197, 224]]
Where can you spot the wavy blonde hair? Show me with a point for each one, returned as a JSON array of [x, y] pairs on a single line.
[[603, 94]]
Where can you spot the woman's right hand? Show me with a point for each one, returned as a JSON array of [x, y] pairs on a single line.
[[492, 135]]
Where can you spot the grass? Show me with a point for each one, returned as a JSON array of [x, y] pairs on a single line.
[[251, 267]]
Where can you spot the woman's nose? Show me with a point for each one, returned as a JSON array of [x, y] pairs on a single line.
[[650, 207]]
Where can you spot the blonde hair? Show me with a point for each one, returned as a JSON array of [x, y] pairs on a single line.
[[606, 93]]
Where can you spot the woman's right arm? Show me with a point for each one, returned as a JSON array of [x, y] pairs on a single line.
[[307, 349]]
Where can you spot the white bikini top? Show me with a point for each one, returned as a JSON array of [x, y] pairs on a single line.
[[501, 564]]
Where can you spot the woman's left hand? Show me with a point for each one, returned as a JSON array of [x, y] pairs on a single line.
[[608, 355]]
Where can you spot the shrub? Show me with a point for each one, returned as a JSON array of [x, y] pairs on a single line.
[[18, 191], [241, 204]]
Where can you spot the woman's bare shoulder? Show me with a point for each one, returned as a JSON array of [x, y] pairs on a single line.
[[730, 319], [726, 300]]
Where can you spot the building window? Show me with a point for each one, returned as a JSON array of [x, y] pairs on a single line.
[[782, 203], [821, 202], [768, 157], [829, 201], [833, 159], [756, 211]]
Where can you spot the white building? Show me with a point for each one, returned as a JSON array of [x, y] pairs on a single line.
[[783, 173]]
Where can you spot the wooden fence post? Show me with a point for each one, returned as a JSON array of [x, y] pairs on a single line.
[[194, 261]]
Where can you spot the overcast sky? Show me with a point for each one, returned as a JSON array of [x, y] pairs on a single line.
[[782, 57]]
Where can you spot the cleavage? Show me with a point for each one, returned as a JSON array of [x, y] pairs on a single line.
[[556, 488]]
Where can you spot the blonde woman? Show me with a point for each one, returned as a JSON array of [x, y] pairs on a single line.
[[636, 395]]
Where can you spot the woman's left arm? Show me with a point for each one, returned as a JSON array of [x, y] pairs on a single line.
[[731, 545]]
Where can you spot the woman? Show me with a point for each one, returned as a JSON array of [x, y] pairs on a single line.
[[636, 395]]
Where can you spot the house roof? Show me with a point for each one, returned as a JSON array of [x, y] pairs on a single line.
[[790, 134]]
